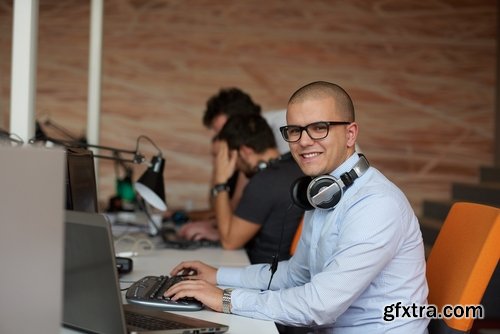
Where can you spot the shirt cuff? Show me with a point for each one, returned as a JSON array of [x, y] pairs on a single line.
[[229, 276]]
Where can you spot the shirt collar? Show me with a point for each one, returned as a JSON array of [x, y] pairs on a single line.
[[346, 166]]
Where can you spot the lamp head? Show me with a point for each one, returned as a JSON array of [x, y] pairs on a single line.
[[150, 184]]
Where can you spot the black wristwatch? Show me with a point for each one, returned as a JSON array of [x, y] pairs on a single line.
[[220, 187]]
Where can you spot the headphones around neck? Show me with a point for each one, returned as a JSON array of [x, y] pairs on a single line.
[[261, 165], [325, 191]]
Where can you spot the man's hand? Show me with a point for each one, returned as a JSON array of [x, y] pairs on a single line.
[[205, 229], [196, 270], [224, 163], [201, 290]]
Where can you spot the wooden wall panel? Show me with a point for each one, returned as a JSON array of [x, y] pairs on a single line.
[[421, 74]]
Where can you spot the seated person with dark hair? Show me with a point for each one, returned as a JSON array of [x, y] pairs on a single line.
[[220, 107], [265, 213]]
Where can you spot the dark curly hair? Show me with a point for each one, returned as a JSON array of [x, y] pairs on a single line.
[[249, 130], [230, 102]]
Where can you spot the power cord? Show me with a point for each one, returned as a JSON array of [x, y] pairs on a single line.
[[138, 246], [275, 259], [126, 282]]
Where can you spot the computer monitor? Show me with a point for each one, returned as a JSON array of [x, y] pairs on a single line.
[[81, 188]]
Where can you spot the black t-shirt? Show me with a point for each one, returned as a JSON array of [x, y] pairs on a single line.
[[231, 183], [267, 201]]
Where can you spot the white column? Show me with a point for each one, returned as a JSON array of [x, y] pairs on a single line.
[[23, 75], [94, 85]]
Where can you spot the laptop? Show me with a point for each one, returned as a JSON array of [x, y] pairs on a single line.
[[92, 298]]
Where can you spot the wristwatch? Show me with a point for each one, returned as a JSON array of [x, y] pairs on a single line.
[[226, 301], [220, 187]]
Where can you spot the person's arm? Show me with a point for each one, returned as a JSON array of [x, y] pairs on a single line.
[[234, 232], [241, 182], [368, 244]]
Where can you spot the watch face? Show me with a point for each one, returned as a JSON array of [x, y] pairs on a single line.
[[219, 188]]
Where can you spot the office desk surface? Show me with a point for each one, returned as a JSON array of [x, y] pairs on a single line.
[[161, 261]]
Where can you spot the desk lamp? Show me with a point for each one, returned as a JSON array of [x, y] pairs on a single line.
[[150, 185]]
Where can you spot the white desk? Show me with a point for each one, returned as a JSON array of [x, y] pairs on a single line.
[[160, 262]]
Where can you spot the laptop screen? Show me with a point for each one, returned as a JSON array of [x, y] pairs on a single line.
[[81, 189], [92, 299]]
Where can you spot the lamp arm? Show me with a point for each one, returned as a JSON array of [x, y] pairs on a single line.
[[137, 159], [160, 153], [108, 148], [59, 128]]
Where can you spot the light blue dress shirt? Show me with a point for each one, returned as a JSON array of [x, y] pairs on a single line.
[[349, 264]]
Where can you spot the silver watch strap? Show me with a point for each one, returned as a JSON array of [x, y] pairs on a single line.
[[226, 301]]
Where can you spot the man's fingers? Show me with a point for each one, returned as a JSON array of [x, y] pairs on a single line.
[[186, 288]]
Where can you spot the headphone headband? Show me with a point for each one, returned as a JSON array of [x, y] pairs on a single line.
[[261, 165]]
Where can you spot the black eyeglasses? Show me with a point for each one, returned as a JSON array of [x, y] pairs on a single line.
[[316, 130]]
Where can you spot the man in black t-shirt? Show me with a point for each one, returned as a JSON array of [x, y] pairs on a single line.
[[265, 219], [266, 202]]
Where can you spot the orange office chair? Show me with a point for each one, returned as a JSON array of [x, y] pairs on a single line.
[[462, 261], [296, 237]]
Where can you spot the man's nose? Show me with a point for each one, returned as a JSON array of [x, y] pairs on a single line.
[[305, 139]]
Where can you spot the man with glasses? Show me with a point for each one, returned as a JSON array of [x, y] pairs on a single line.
[[356, 256]]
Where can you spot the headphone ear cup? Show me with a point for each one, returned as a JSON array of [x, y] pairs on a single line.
[[331, 192], [261, 165], [299, 193]]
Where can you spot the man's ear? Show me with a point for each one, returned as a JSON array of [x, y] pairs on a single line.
[[245, 151], [352, 134]]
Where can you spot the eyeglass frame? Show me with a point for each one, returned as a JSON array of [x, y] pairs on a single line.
[[283, 129]]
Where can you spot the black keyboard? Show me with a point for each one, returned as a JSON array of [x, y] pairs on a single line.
[[172, 240], [152, 323], [149, 291]]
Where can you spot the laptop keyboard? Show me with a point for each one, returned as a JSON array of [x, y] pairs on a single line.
[[152, 323], [149, 291]]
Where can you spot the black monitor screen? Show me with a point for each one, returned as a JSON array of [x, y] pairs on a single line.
[[81, 189]]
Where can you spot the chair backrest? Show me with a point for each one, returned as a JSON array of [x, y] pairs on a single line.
[[296, 237], [462, 261]]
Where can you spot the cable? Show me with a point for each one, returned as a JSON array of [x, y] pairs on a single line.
[[139, 246], [274, 263], [148, 139], [126, 282]]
